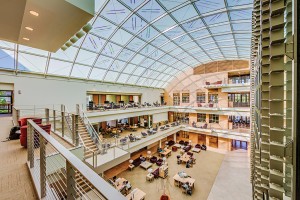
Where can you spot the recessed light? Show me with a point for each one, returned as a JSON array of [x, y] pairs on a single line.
[[24, 38], [34, 13], [29, 28]]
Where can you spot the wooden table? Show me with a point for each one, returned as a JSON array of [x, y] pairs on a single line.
[[133, 128], [119, 184], [184, 158], [131, 167], [136, 194], [165, 152], [146, 164], [178, 179]]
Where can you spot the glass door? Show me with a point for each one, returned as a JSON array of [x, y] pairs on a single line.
[[6, 100]]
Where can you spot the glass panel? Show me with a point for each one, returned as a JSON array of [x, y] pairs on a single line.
[[97, 74], [6, 44], [86, 57], [103, 28], [218, 18], [240, 14], [115, 11], [210, 5], [117, 65], [123, 78], [121, 37], [132, 79], [151, 10], [125, 54], [31, 63], [185, 13], [220, 29], [136, 44], [111, 76], [103, 62], [237, 2], [172, 33], [129, 68], [32, 50], [7, 60], [57, 67], [138, 71], [164, 23], [138, 59], [80, 71], [169, 4], [148, 33], [111, 49], [93, 43], [134, 24], [68, 55]]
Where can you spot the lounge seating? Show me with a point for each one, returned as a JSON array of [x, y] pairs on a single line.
[[144, 134], [159, 162], [168, 126], [123, 141], [153, 159], [131, 138], [162, 128], [181, 142], [171, 143], [174, 148], [198, 146], [186, 143], [23, 136], [137, 162], [156, 173], [187, 148], [203, 147]]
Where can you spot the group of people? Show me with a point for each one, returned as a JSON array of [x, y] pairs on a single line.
[[190, 162], [126, 184]]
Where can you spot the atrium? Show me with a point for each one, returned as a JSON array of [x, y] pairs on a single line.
[[149, 99]]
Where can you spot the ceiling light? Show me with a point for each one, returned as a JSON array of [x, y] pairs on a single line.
[[34, 13], [24, 38], [29, 28]]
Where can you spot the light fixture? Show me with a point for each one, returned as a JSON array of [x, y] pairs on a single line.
[[34, 13], [29, 28], [24, 38]]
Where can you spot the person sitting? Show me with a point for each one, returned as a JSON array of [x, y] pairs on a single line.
[[127, 185], [188, 165], [187, 188], [114, 179], [142, 158], [194, 124], [159, 149]]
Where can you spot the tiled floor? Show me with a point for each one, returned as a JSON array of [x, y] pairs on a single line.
[[233, 180], [204, 171]]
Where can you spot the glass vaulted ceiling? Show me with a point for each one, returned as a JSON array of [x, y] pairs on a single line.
[[144, 42]]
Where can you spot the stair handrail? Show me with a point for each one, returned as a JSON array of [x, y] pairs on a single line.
[[90, 128], [67, 114]]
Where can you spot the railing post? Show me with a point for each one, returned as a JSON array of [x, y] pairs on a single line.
[[54, 120], [47, 115], [73, 128], [76, 130], [30, 145], [62, 108], [77, 109], [42, 166], [71, 193], [63, 124]]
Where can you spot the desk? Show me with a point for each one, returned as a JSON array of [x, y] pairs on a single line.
[[119, 184], [136, 194], [133, 128], [166, 152], [184, 158], [180, 181]]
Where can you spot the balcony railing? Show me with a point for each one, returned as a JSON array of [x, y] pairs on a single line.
[[59, 173]]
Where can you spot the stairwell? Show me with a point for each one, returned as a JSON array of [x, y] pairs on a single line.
[[87, 141]]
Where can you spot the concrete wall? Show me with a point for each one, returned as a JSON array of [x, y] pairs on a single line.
[[40, 91]]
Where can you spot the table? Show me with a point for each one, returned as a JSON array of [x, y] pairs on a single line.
[[184, 158], [178, 179], [133, 128], [146, 164], [136, 194], [197, 150], [165, 152], [131, 167], [150, 177], [177, 145], [119, 183]]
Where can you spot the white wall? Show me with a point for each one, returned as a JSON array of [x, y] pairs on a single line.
[[41, 91], [160, 117]]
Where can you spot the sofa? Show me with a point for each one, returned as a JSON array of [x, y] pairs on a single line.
[[23, 136], [187, 148], [153, 159], [136, 162]]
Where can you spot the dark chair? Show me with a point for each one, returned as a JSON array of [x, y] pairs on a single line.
[[137, 162], [144, 134], [150, 132], [156, 173], [181, 142], [203, 147], [187, 148], [198, 146], [204, 126], [131, 138], [186, 143], [159, 162], [153, 159], [171, 143], [190, 153], [168, 126]]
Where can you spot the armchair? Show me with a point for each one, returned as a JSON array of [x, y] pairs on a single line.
[[156, 173], [181, 142], [144, 134], [198, 146], [171, 143], [153, 159], [159, 162]]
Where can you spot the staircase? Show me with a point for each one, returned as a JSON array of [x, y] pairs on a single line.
[[86, 139]]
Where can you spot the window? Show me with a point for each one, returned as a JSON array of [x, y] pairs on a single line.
[[200, 97], [185, 97], [213, 118], [176, 99], [201, 117], [5, 102], [213, 98]]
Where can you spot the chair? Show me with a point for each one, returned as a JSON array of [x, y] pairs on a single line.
[[203, 147], [144, 134], [156, 173], [123, 141], [149, 132], [153, 159], [137, 162], [131, 138], [171, 143], [190, 153], [23, 136], [181, 142], [198, 146], [159, 162], [174, 149]]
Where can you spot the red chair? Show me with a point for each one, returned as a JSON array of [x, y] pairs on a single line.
[[174, 148], [23, 137]]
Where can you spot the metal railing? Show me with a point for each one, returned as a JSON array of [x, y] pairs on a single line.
[[58, 173]]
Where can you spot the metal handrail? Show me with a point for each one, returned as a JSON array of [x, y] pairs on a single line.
[[104, 188]]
